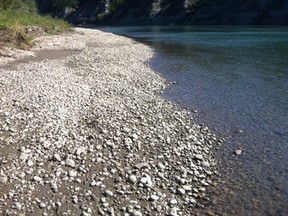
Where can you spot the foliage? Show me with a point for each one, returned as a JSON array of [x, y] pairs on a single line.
[[7, 4], [28, 6], [190, 4], [10, 19], [14, 25], [81, 2], [114, 4], [18, 5], [101, 16], [58, 5]]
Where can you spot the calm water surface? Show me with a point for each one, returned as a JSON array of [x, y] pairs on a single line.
[[237, 80]]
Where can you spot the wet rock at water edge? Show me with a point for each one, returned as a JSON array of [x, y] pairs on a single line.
[[238, 152]]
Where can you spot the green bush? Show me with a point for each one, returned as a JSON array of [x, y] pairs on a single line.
[[19, 23], [21, 13], [29, 6], [14, 19]]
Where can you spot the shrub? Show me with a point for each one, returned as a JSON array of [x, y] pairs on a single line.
[[8, 4], [14, 28]]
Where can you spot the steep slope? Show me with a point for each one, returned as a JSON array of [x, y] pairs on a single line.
[[132, 12]]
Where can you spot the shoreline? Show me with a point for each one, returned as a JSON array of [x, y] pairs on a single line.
[[90, 134]]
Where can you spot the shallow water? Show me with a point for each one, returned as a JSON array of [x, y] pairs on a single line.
[[237, 80]]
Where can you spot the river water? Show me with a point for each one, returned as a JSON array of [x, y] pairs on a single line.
[[236, 78]]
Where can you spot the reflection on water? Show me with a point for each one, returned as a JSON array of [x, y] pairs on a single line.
[[237, 79]]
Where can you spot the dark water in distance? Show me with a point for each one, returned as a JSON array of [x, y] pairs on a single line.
[[236, 77]]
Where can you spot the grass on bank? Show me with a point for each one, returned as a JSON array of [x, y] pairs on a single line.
[[14, 28]]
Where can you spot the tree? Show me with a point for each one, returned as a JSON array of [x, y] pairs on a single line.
[[61, 4], [189, 4], [114, 4]]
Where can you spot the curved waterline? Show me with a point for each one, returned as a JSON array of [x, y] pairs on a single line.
[[237, 79]]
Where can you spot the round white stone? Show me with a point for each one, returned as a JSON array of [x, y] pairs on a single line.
[[132, 179]]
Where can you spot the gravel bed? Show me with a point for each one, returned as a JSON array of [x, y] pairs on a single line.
[[90, 134]]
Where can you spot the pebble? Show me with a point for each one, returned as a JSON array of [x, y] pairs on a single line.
[[72, 173], [84, 213], [238, 151], [141, 166], [78, 180], [3, 179], [104, 131], [70, 163], [173, 202], [199, 157], [180, 191], [110, 144], [80, 150], [146, 180], [46, 145], [174, 211], [95, 130], [37, 179], [56, 157], [93, 183], [126, 130], [192, 201], [30, 163], [58, 204], [153, 198], [42, 205], [108, 193], [21, 175], [135, 136], [161, 166], [23, 156], [18, 206], [132, 179], [187, 188], [210, 213], [205, 164], [136, 213]]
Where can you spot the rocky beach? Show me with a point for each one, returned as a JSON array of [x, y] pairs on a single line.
[[84, 131]]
